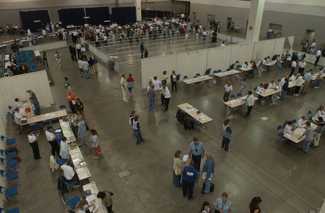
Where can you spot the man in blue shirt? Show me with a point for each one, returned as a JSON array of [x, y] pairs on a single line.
[[197, 152], [189, 176]]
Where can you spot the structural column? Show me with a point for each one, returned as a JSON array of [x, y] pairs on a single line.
[[138, 10], [255, 20]]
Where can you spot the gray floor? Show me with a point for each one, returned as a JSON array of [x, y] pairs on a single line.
[[288, 180]]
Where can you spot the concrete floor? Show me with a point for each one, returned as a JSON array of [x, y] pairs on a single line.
[[288, 180]]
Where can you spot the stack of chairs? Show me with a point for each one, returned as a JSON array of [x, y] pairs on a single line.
[[9, 162]]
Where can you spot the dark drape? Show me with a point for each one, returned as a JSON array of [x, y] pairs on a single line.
[[34, 20], [71, 16], [97, 15], [123, 15], [156, 13]]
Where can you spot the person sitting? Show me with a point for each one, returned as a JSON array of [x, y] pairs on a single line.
[[68, 172], [302, 122], [260, 88], [288, 128], [272, 85], [320, 113]]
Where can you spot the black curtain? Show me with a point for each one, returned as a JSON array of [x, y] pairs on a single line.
[[34, 20], [71, 16], [156, 13], [123, 15], [97, 15]]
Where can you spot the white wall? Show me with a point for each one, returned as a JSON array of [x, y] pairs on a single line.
[[198, 61], [16, 86], [305, 7]]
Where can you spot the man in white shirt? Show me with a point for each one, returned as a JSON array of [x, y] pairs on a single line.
[[228, 89], [32, 140], [293, 67], [51, 139], [78, 48], [299, 85], [68, 172], [166, 95], [250, 102], [301, 65], [156, 83], [318, 55]]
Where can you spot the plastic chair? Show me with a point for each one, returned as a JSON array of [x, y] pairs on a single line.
[[11, 176], [12, 210], [12, 163], [11, 192], [11, 141]]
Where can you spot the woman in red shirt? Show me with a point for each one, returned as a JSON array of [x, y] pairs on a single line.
[[130, 84]]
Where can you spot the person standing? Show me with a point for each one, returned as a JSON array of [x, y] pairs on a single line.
[[79, 106], [250, 102], [58, 59], [309, 137], [177, 169], [94, 143], [151, 97], [207, 175], [64, 149], [228, 89], [254, 205], [130, 84], [137, 130], [85, 67], [124, 85], [189, 176], [196, 152], [51, 139], [318, 55], [142, 49], [223, 204], [293, 67], [82, 130], [173, 80], [32, 139], [166, 96], [107, 200], [72, 53], [33, 99], [226, 135]]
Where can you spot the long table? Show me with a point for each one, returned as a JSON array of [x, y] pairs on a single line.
[[268, 92], [197, 79], [227, 73], [67, 131], [298, 135], [46, 117], [234, 103], [194, 113], [82, 171]]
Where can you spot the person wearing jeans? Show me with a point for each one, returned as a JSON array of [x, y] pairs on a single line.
[[309, 137], [197, 152], [226, 138], [137, 130], [166, 97]]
